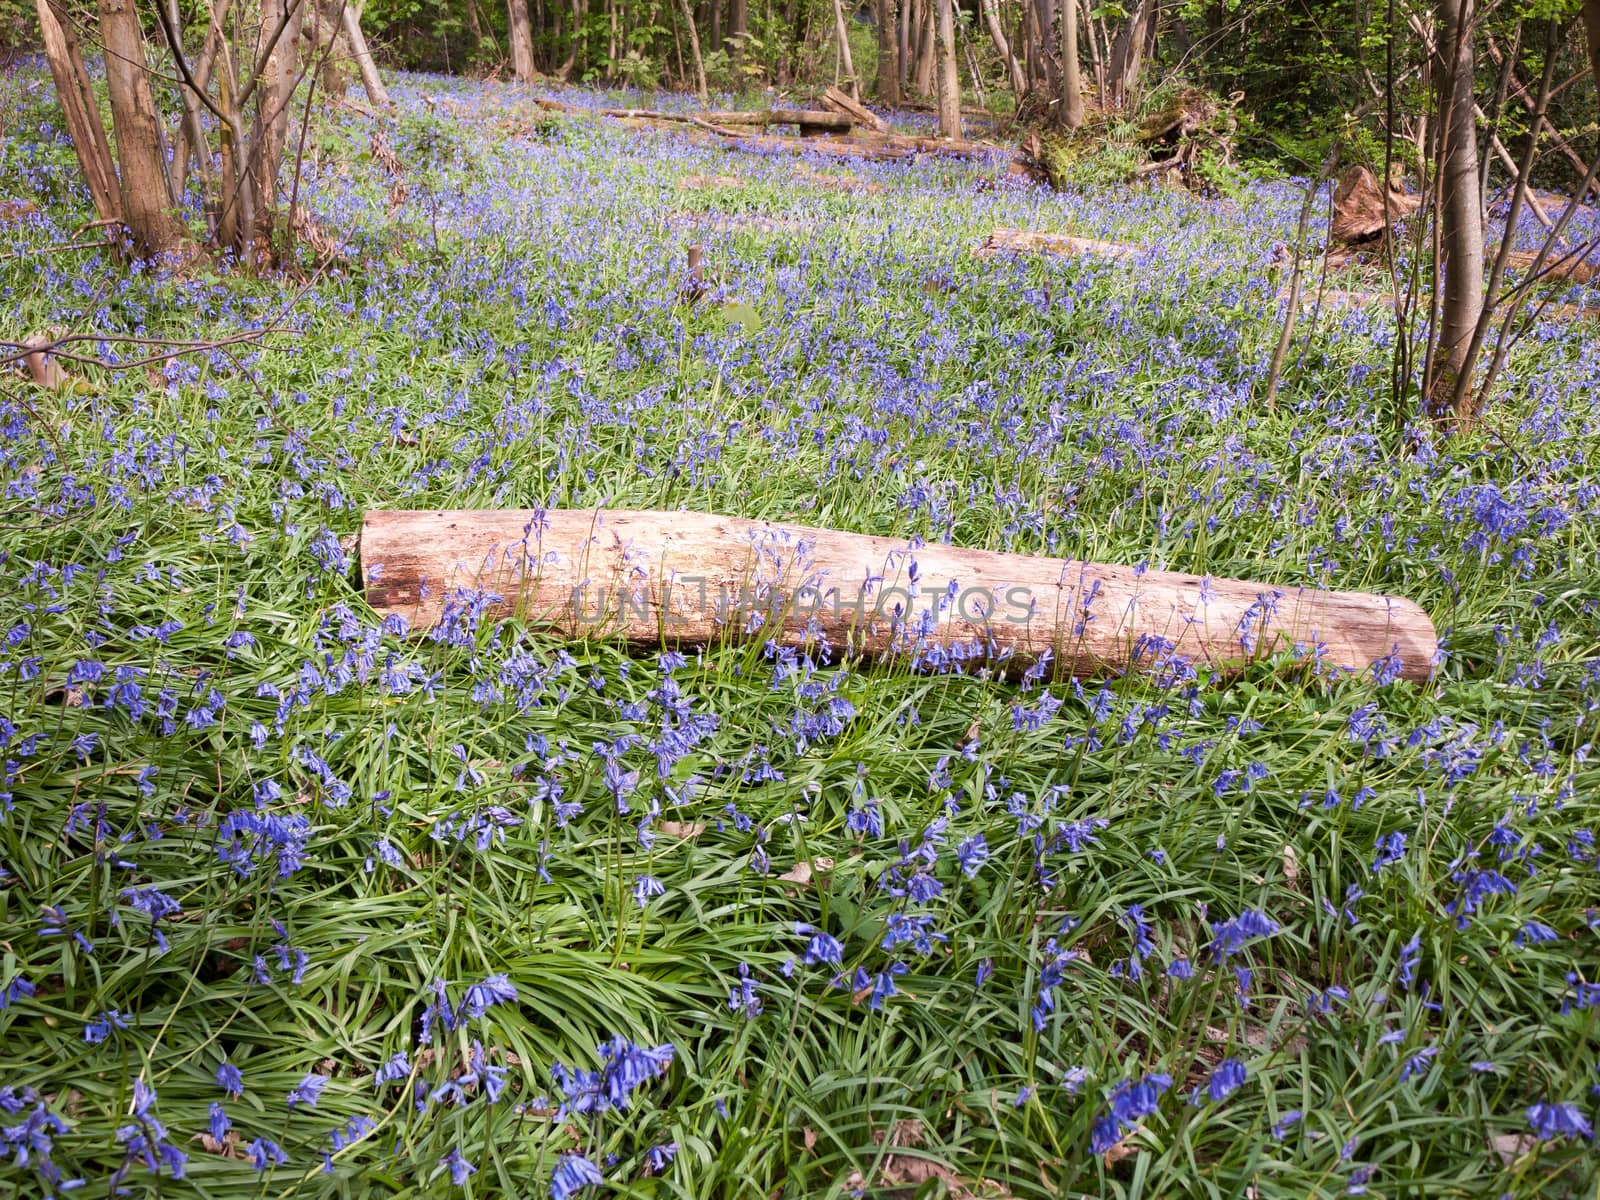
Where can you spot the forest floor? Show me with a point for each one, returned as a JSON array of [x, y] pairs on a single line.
[[287, 891]]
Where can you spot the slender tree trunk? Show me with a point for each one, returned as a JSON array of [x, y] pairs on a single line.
[[274, 95], [714, 24], [521, 41], [888, 56], [370, 79], [1047, 75], [1460, 217], [1097, 62], [997, 34], [143, 184], [949, 75], [846, 63], [925, 52], [687, 12], [87, 131], [903, 47], [191, 134], [1127, 52], [1591, 27], [1071, 77]]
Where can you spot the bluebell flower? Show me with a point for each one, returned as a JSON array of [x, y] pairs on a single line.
[[481, 997], [1550, 1121], [742, 996], [392, 1070], [658, 1157], [460, 1169], [265, 1154], [1227, 1078], [573, 1173], [1391, 849], [307, 1091], [1417, 1063], [1281, 1127], [229, 1079], [645, 888], [1230, 936]]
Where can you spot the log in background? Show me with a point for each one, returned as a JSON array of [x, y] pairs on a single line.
[[685, 578]]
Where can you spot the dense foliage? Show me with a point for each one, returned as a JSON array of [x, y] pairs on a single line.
[[291, 891]]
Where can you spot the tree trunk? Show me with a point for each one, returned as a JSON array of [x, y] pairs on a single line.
[[521, 41], [273, 104], [949, 77], [370, 79], [1127, 52], [888, 54], [1460, 217], [925, 53], [714, 24], [686, 578], [738, 23], [687, 10], [1071, 77], [997, 34], [846, 63], [903, 47], [143, 183], [1046, 74], [191, 134], [1591, 27], [84, 126]]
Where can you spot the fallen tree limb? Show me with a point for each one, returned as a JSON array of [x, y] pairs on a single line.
[[682, 578], [1029, 241], [836, 101], [1335, 299]]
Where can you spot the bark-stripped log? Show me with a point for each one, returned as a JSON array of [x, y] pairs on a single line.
[[1031, 241], [683, 578]]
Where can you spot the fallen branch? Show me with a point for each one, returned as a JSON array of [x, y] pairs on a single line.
[[1029, 241], [682, 578], [836, 101]]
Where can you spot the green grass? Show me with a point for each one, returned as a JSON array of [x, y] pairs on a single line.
[[512, 334]]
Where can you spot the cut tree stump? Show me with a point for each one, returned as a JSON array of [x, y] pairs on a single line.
[[684, 578], [1361, 211]]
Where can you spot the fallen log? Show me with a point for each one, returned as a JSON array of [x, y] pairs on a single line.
[[834, 100], [1569, 266], [1029, 241], [1335, 299], [683, 578], [804, 118]]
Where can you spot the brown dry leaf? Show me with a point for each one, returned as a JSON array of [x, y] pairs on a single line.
[[802, 871], [1512, 1146], [1291, 866], [808, 1137], [682, 829], [906, 1132], [231, 1145], [971, 735]]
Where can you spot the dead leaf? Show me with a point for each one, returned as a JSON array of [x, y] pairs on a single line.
[[1512, 1146], [802, 871], [808, 1137], [906, 1132], [231, 1145], [682, 829], [1291, 866]]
